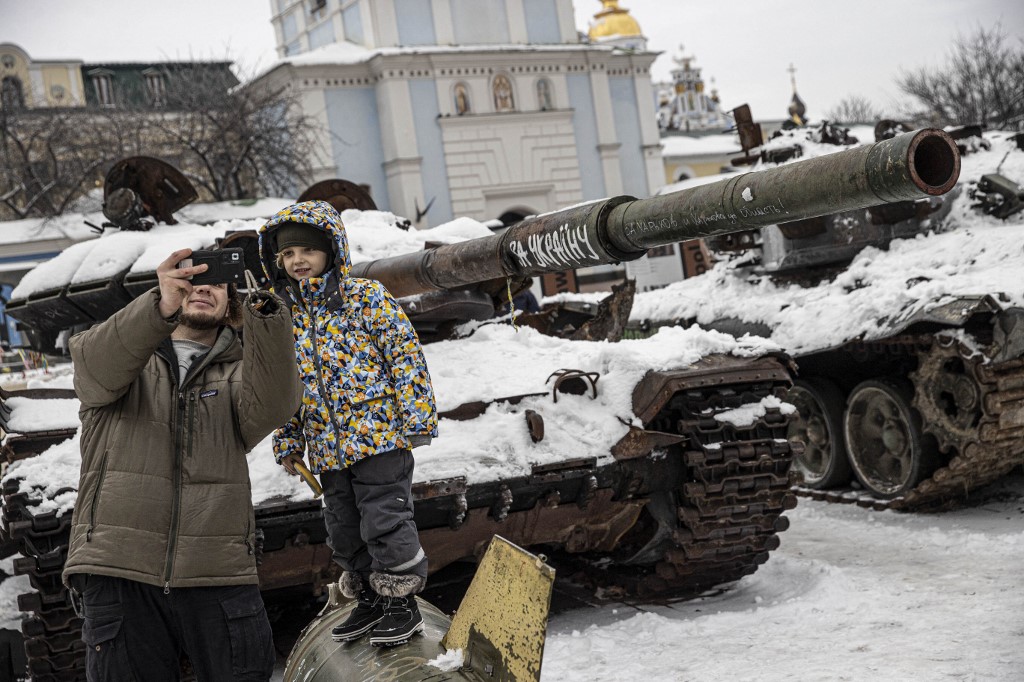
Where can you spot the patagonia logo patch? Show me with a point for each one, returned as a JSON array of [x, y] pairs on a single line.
[[208, 394]]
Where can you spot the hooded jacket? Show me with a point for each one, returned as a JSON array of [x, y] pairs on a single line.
[[164, 496], [366, 385]]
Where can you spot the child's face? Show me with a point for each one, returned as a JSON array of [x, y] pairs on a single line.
[[301, 262]]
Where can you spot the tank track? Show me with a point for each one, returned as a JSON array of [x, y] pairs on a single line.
[[52, 630], [720, 513], [977, 416], [975, 411], [737, 487]]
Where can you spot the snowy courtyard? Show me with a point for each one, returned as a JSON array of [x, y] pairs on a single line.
[[852, 595]]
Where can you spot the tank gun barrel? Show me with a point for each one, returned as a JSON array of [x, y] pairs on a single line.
[[907, 167]]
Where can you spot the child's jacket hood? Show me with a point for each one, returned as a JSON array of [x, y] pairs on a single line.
[[318, 214]]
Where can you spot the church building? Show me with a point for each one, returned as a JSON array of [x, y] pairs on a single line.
[[480, 108]]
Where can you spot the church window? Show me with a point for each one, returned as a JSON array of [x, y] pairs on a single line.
[[156, 88], [103, 88], [504, 99]]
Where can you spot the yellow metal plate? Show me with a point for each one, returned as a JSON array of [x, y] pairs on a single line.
[[502, 622]]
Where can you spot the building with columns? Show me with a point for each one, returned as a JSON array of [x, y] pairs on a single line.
[[480, 108], [33, 83]]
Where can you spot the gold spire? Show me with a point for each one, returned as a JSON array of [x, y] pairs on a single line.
[[797, 108], [614, 22]]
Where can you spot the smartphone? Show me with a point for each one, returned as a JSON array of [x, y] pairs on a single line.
[[224, 266]]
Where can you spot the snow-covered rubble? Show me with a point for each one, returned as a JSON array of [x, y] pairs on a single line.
[[29, 415]]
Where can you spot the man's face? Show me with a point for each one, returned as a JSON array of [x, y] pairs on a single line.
[[206, 307], [301, 262]]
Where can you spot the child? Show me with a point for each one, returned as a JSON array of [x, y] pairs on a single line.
[[367, 402]]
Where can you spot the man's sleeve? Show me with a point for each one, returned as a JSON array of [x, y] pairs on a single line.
[[109, 357], [271, 388], [407, 367]]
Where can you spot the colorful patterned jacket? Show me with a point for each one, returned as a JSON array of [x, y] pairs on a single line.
[[366, 385]]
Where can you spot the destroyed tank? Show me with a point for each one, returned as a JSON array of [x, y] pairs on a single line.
[[909, 345], [670, 478]]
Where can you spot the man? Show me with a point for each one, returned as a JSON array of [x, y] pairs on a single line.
[[162, 538]]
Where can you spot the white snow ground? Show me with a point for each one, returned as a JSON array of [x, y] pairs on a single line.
[[851, 595]]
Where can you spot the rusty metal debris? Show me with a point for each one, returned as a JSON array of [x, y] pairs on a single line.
[[535, 423], [574, 382], [997, 196], [341, 194], [609, 322], [142, 186]]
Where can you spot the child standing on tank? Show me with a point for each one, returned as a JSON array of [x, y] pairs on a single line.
[[367, 402]]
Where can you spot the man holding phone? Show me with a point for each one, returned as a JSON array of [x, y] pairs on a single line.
[[162, 553]]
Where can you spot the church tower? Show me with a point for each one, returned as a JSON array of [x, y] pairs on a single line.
[[479, 108], [687, 107], [615, 26], [797, 108]]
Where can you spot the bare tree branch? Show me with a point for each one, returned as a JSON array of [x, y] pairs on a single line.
[[982, 82], [854, 109], [232, 142]]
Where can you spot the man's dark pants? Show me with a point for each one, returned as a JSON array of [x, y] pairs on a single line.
[[134, 631]]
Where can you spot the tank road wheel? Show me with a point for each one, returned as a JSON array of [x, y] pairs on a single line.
[[819, 427], [948, 395], [888, 452]]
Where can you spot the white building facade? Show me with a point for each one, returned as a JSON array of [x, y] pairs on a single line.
[[479, 108]]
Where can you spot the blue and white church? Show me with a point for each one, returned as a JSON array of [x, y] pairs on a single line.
[[480, 108]]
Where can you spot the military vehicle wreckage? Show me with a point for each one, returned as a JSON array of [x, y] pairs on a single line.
[[682, 499], [921, 404]]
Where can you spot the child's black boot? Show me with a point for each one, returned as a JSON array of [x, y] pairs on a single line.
[[368, 613], [401, 621]]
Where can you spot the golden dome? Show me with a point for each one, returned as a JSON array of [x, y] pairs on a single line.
[[614, 22]]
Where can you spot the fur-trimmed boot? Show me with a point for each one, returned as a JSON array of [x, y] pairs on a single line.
[[367, 613], [402, 617], [351, 584]]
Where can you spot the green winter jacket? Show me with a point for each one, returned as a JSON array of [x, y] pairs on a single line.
[[164, 496]]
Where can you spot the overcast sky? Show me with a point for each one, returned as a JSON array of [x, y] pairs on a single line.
[[838, 47]]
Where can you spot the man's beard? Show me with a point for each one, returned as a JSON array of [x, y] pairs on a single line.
[[201, 322]]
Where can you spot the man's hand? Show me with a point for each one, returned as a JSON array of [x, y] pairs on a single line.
[[288, 462], [174, 284]]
